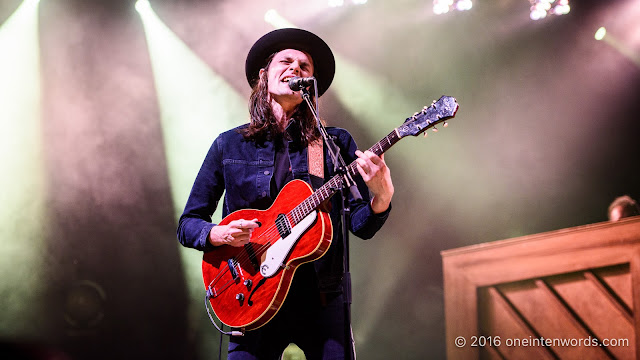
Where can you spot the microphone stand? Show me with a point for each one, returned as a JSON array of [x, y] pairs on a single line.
[[348, 183]]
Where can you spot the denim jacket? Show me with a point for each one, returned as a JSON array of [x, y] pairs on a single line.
[[244, 169]]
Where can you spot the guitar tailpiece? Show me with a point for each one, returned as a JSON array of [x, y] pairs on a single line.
[[209, 293]]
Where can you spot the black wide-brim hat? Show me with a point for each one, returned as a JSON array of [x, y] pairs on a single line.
[[324, 63]]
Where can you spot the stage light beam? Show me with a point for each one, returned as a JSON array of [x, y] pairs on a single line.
[[23, 215], [143, 6], [273, 18], [195, 105], [613, 41]]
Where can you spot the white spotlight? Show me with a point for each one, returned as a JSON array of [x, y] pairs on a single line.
[[562, 7], [600, 33], [444, 6], [142, 6], [270, 16], [441, 6], [540, 8], [463, 5]]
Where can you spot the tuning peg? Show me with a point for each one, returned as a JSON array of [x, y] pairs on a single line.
[[425, 134], [435, 129], [445, 124]]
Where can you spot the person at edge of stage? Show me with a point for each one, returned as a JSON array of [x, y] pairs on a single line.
[[622, 207], [254, 161]]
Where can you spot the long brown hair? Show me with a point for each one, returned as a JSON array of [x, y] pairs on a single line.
[[263, 125]]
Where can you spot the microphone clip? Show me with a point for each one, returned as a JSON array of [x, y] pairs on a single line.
[[300, 83]]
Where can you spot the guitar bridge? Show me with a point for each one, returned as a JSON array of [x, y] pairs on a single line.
[[252, 256], [232, 268]]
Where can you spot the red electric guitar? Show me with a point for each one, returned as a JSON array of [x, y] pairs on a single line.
[[247, 285]]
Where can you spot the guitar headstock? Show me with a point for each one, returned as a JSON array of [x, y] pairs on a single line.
[[439, 111]]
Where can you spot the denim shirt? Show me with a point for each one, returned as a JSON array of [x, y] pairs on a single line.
[[244, 169]]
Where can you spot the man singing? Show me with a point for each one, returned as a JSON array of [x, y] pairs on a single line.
[[254, 161]]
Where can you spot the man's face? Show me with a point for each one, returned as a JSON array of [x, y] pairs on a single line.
[[285, 65]]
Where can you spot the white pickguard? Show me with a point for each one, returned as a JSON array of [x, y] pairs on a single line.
[[275, 255]]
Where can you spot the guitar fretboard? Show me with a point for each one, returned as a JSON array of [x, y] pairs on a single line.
[[335, 183]]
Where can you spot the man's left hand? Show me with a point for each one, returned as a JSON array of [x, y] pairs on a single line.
[[377, 176]]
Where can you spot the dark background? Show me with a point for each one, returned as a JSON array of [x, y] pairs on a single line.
[[545, 138]]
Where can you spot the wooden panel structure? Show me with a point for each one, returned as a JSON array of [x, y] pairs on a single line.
[[566, 294]]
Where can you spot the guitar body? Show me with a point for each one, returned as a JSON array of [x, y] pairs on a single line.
[[241, 296], [247, 285]]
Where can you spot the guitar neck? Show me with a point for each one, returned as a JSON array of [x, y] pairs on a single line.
[[335, 183]]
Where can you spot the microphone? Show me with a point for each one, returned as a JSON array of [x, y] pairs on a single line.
[[299, 83]]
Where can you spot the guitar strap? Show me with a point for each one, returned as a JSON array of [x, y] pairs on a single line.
[[316, 163]]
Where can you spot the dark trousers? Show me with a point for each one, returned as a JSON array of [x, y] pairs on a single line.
[[308, 319]]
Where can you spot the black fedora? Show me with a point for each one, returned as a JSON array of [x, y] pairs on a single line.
[[292, 38]]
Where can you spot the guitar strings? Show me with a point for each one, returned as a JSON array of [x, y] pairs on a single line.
[[294, 216]]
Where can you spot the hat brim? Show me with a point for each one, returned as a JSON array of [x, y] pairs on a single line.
[[292, 38]]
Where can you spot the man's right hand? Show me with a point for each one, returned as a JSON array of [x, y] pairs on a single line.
[[237, 233]]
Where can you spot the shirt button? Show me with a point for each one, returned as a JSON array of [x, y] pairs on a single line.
[[264, 194], [266, 172]]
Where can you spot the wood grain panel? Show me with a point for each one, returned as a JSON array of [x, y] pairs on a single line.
[[597, 309], [618, 278], [498, 319], [578, 283], [548, 316]]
